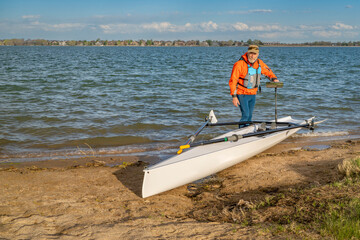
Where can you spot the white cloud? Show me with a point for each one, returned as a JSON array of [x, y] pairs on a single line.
[[326, 34], [67, 26], [260, 11], [250, 11], [311, 28], [129, 26], [341, 26], [265, 31], [31, 16], [239, 26], [160, 27], [139, 28], [116, 28], [278, 35], [105, 27], [267, 28], [61, 27], [208, 26]]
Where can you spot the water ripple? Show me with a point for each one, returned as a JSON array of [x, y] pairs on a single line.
[[58, 97]]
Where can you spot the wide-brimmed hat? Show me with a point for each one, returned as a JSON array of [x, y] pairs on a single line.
[[253, 49]]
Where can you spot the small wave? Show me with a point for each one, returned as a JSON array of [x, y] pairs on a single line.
[[85, 150], [105, 141], [134, 149], [321, 134]]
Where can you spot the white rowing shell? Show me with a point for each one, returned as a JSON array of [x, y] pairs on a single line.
[[202, 161]]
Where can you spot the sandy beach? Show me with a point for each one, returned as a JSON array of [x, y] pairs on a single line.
[[100, 198]]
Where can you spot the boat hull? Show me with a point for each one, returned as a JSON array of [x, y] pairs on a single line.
[[203, 161]]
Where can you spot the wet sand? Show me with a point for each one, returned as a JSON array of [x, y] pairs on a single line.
[[88, 199]]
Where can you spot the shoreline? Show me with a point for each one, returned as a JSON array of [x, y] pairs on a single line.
[[262, 46], [96, 200], [147, 152], [290, 144]]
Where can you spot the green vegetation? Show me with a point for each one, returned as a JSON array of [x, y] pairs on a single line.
[[342, 220], [255, 41], [328, 211], [194, 43], [149, 43], [331, 210]]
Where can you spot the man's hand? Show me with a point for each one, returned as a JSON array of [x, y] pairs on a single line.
[[236, 101]]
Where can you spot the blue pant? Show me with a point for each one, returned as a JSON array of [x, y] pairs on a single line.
[[247, 104]]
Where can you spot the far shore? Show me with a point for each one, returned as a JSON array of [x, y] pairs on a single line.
[[169, 43], [177, 46]]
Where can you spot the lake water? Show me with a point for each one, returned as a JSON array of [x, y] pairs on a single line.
[[58, 102]]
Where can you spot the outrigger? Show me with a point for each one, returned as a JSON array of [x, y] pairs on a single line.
[[196, 160]]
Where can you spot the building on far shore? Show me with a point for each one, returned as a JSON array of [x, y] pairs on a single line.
[[176, 43], [179, 43], [204, 44]]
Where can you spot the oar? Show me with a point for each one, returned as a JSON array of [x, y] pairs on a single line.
[[275, 85], [192, 137], [248, 122], [209, 120], [235, 137]]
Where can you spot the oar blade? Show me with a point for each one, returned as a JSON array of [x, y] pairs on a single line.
[[212, 117]]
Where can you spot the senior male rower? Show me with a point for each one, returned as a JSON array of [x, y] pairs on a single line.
[[245, 80]]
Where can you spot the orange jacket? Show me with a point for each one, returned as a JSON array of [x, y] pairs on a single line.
[[240, 70]]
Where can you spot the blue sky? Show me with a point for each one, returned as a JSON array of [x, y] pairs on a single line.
[[271, 21]]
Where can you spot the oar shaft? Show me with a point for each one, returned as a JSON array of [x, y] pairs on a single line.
[[236, 137], [192, 137], [247, 122], [276, 104]]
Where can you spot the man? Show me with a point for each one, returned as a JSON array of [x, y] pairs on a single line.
[[245, 80]]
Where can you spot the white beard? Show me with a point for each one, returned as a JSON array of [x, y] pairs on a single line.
[[252, 60]]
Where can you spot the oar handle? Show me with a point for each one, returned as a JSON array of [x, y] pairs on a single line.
[[192, 137], [274, 84], [182, 147]]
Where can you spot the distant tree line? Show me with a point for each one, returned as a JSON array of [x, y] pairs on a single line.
[[207, 43]]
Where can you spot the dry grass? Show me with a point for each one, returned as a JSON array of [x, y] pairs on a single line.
[[350, 167], [320, 211]]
